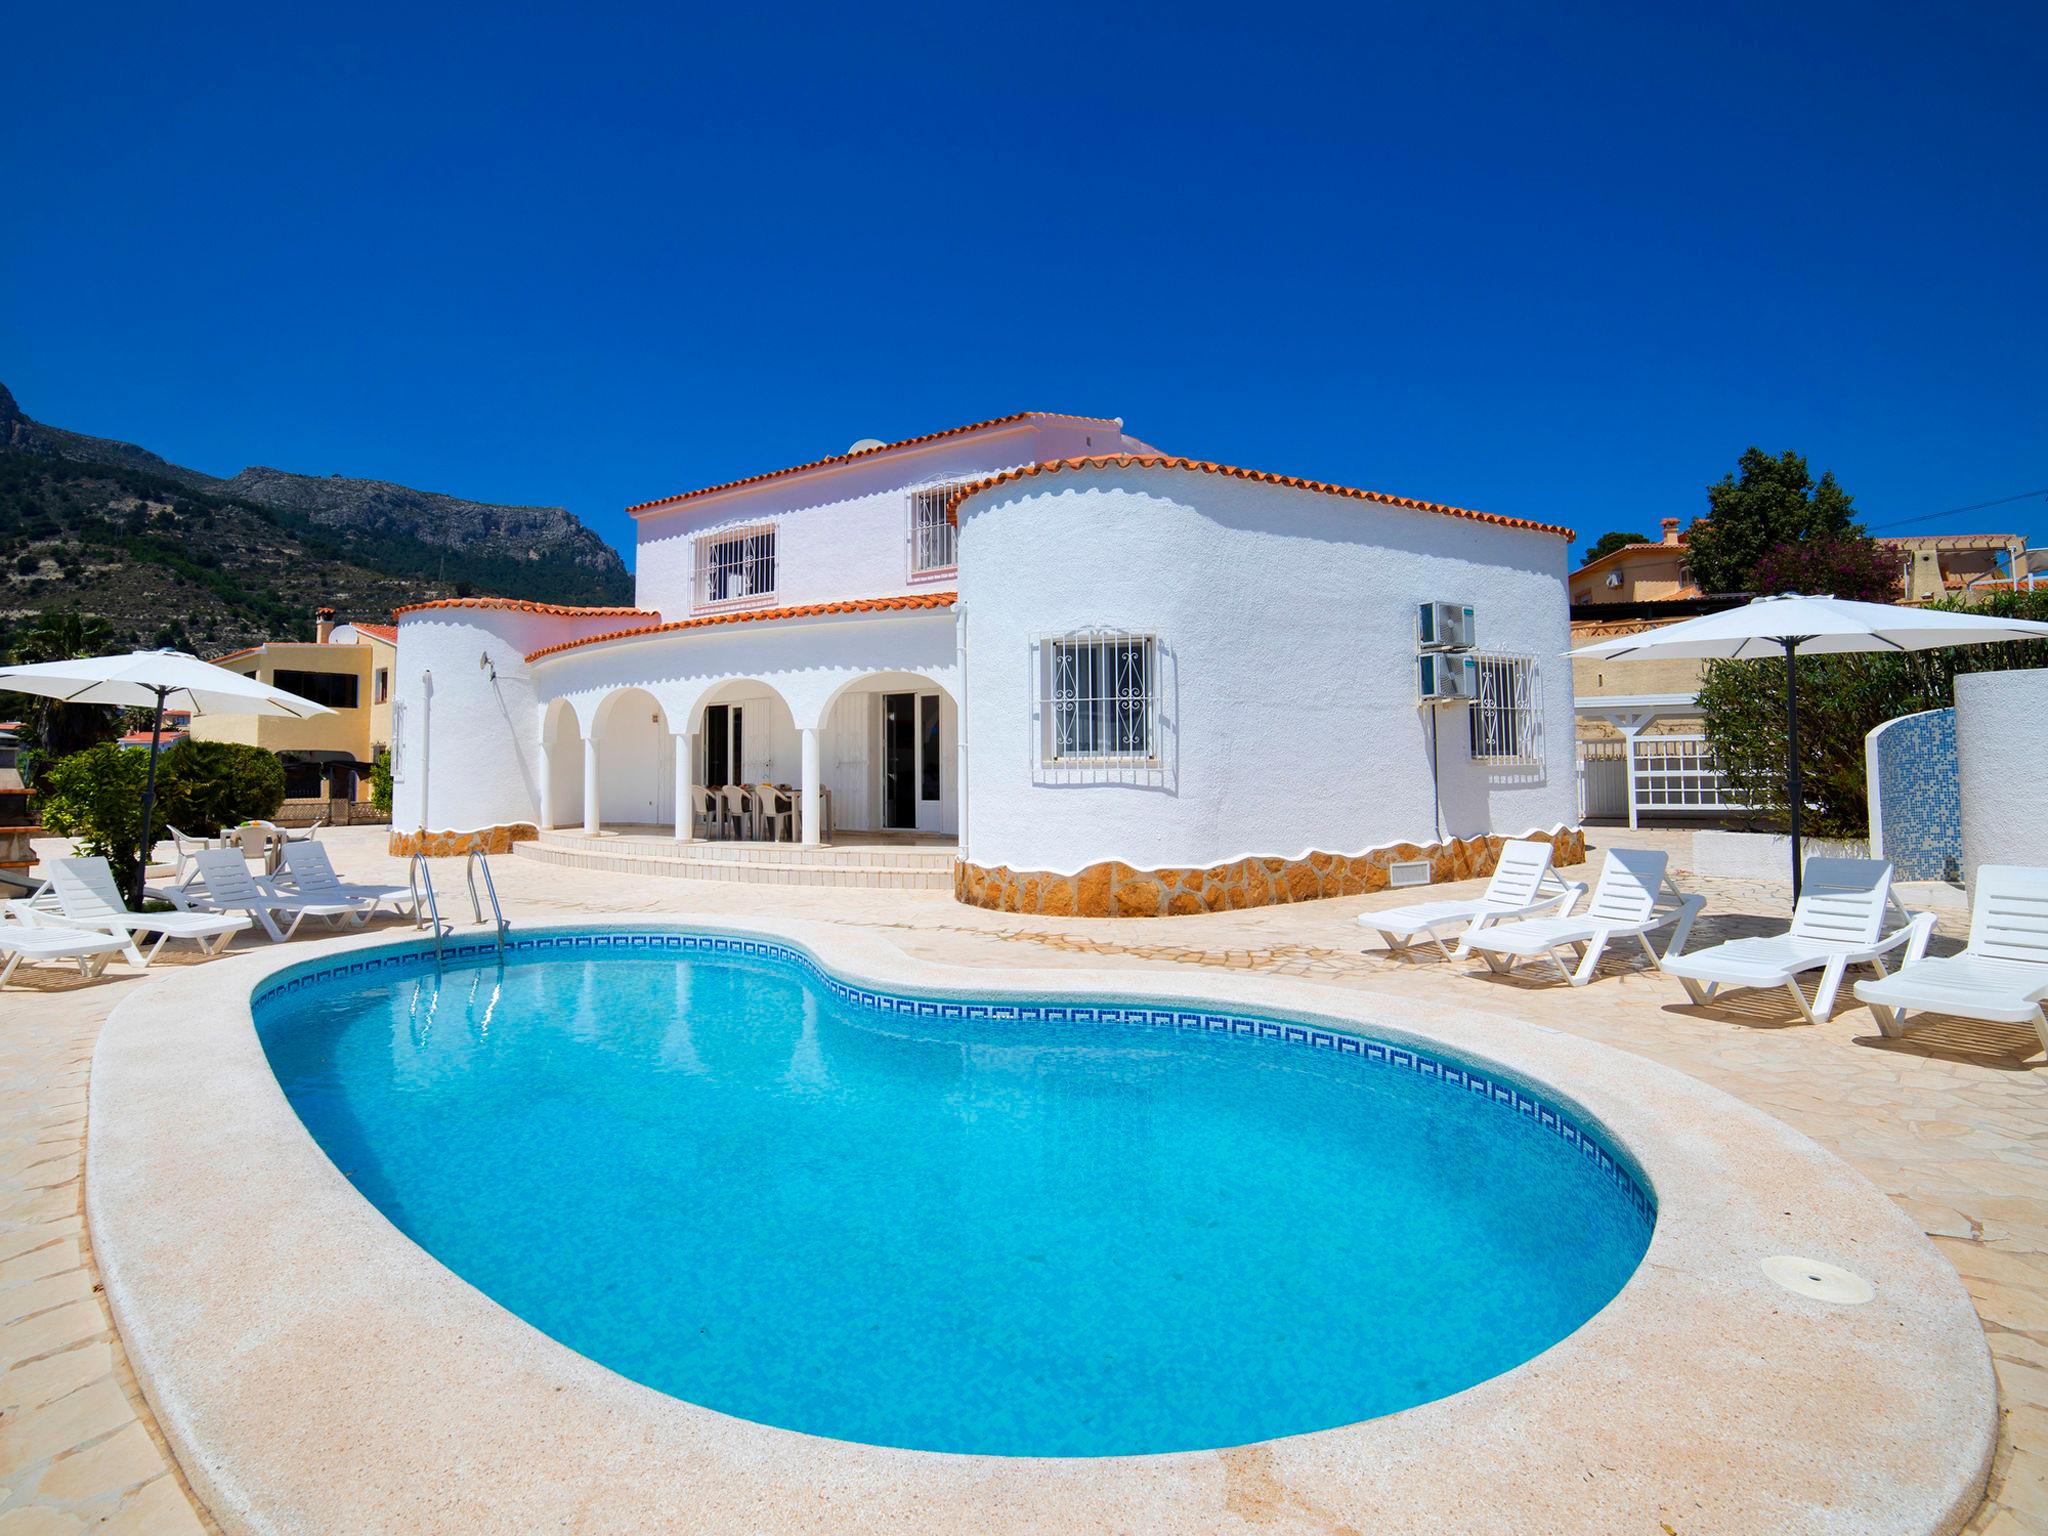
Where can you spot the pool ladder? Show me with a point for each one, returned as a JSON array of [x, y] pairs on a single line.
[[420, 880]]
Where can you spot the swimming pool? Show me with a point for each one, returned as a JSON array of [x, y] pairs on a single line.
[[1008, 1227]]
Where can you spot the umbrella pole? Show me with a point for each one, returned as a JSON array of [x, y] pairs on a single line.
[[1793, 793], [156, 734]]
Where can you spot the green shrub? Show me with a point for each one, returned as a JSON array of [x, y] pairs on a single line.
[[203, 786], [95, 797], [380, 780]]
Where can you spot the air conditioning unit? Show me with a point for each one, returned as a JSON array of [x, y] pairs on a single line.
[[1445, 627], [1446, 678]]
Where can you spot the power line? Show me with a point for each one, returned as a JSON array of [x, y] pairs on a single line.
[[1907, 522]]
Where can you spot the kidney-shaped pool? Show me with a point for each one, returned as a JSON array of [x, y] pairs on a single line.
[[1006, 1227]]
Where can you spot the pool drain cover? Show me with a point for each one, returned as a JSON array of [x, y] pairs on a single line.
[[1818, 1281]]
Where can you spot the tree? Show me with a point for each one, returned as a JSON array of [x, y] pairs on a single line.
[[51, 730], [95, 796], [1841, 700], [204, 786], [1769, 503], [1608, 543], [1858, 568]]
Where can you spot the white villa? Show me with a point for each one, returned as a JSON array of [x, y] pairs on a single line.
[[1098, 678]]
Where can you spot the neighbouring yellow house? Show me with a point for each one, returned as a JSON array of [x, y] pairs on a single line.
[[347, 667]]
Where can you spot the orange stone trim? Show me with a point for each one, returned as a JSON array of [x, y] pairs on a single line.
[[1263, 476], [903, 603], [1118, 890], [522, 605], [450, 845]]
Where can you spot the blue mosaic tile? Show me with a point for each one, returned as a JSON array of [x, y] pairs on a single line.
[[1919, 796]]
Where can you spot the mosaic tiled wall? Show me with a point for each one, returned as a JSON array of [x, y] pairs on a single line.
[[450, 845], [1916, 798], [1118, 890]]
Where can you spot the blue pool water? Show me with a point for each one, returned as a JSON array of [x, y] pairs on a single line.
[[1031, 1236]]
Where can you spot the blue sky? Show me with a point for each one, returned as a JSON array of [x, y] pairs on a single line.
[[1564, 264]]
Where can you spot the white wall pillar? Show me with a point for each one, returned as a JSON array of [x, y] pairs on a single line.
[[812, 799], [590, 784], [686, 757], [544, 815]]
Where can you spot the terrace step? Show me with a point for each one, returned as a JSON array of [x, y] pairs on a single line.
[[903, 868]]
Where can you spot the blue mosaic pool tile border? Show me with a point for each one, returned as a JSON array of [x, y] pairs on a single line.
[[1500, 1091]]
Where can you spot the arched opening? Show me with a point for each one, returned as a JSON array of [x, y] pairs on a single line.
[[888, 752], [746, 735], [561, 745], [635, 761]]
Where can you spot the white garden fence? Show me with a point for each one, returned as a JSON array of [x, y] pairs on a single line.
[[1653, 775]]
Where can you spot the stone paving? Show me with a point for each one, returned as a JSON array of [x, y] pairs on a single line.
[[1952, 1123]]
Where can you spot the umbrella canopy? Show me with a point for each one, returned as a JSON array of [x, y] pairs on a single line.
[[156, 680], [1770, 626], [152, 679]]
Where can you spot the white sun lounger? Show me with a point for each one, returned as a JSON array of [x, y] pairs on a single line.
[[80, 893], [26, 939], [1839, 922], [307, 871], [1523, 883], [1630, 901], [225, 885], [2002, 973]]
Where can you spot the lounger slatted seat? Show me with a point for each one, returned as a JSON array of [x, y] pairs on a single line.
[[1523, 883], [225, 885], [2001, 975], [1632, 900], [81, 893], [307, 871], [23, 938], [1839, 922]]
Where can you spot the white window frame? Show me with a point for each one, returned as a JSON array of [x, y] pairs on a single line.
[[1506, 716], [934, 539], [736, 581], [1098, 713]]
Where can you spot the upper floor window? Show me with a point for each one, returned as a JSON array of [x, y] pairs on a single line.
[[337, 690], [1506, 725], [735, 567], [380, 689], [933, 538]]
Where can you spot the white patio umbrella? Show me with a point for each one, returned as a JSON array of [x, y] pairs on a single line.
[[160, 680], [1817, 625]]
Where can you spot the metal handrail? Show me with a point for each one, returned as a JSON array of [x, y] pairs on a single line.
[[478, 859], [417, 876]]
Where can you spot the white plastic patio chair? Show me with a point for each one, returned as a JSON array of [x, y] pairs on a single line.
[[23, 938], [1523, 883], [2002, 973], [187, 845], [80, 893], [307, 871], [1838, 922], [225, 885], [1632, 900], [739, 809], [775, 812]]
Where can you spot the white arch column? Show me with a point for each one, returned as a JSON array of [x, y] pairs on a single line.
[[686, 758], [543, 780], [813, 801], [590, 784]]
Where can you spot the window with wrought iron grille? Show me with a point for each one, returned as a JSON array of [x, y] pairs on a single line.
[[933, 538], [1099, 702], [735, 567], [1506, 722]]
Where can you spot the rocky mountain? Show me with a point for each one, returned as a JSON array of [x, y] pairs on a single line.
[[109, 527]]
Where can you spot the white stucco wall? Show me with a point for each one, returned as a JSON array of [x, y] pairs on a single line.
[[843, 531], [2002, 768], [465, 742], [1286, 620]]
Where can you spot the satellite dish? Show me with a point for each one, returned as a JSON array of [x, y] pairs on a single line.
[[866, 445]]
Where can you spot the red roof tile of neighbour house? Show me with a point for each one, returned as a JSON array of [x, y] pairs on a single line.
[[385, 632], [1265, 477], [247, 650], [521, 605], [913, 601], [848, 458]]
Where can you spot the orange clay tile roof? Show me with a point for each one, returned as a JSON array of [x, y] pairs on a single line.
[[387, 632], [247, 650], [1203, 466], [521, 605], [848, 458], [912, 601]]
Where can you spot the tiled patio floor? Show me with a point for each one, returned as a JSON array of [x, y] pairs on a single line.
[[1952, 1123]]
